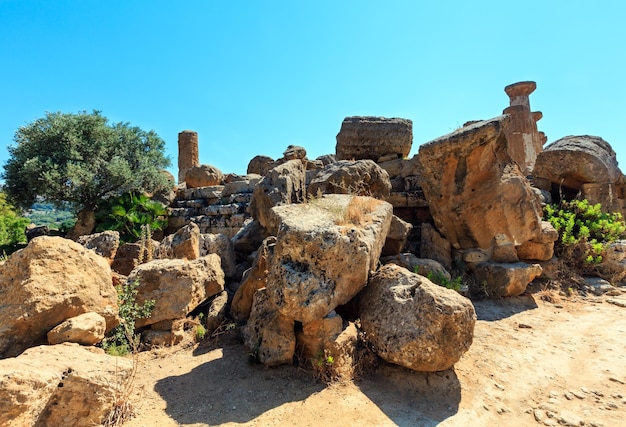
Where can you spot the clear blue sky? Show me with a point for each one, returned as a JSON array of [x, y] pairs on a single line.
[[252, 77]]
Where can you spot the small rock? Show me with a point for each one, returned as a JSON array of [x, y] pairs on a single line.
[[524, 326], [617, 302], [569, 419], [569, 396]]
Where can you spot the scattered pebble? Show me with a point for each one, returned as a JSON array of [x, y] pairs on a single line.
[[569, 396], [524, 326], [616, 380], [617, 302]]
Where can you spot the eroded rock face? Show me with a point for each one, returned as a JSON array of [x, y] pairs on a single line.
[[397, 236], [505, 280], [127, 255], [84, 329], [434, 246], [254, 279], [368, 137], [49, 281], [184, 244], [177, 286], [220, 244], [261, 165], [322, 259], [203, 176], [476, 192], [269, 335], [284, 184], [414, 323], [104, 244], [585, 164], [362, 177], [541, 248], [60, 385]]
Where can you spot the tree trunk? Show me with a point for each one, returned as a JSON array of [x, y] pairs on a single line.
[[85, 224]]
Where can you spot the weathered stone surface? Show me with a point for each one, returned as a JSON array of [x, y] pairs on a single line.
[[323, 255], [244, 185], [613, 266], [541, 248], [524, 141], [84, 329], [104, 244], [49, 281], [61, 385], [127, 255], [221, 245], [177, 286], [203, 176], [368, 137], [33, 231], [188, 155], [284, 184], [269, 335], [216, 313], [434, 246], [361, 177], [396, 238], [254, 279], [421, 266], [475, 190], [576, 160], [162, 338], [505, 280], [184, 244], [318, 335], [294, 152], [414, 323], [261, 165], [248, 239]]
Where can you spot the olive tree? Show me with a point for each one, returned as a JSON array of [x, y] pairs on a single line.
[[82, 159]]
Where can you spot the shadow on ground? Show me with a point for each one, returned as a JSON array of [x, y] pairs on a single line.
[[411, 398], [491, 310], [230, 389]]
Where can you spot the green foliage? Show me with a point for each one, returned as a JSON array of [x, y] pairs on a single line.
[[54, 217], [584, 230], [324, 368], [438, 278], [12, 224], [122, 339], [130, 214], [200, 332], [82, 159]]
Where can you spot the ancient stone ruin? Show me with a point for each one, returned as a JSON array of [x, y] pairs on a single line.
[[311, 257]]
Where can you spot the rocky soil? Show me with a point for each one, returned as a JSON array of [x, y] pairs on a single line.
[[537, 359]]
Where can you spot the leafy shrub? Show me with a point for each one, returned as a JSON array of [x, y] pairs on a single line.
[[128, 213], [440, 279], [122, 339], [12, 224], [584, 231]]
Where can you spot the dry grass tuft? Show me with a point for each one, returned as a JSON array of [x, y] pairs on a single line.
[[359, 211]]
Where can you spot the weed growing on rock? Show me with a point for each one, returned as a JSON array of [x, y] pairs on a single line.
[[324, 367], [123, 339], [440, 279]]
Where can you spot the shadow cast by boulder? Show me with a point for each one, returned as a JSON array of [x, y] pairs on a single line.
[[231, 390], [413, 398], [491, 310]]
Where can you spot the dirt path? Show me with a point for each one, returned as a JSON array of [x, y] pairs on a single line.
[[532, 363]]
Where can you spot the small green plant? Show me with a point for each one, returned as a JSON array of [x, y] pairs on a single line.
[[584, 231], [122, 339], [324, 367], [438, 278], [200, 332]]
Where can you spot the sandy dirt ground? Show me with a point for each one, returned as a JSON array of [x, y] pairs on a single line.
[[533, 362]]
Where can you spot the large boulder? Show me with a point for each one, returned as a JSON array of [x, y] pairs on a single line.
[[51, 280], [269, 335], [184, 244], [84, 329], [499, 280], [477, 195], [104, 244], [541, 248], [583, 164], [203, 176], [324, 252], [284, 184], [414, 323], [361, 177], [220, 244], [177, 286], [261, 165], [61, 385], [368, 137]]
